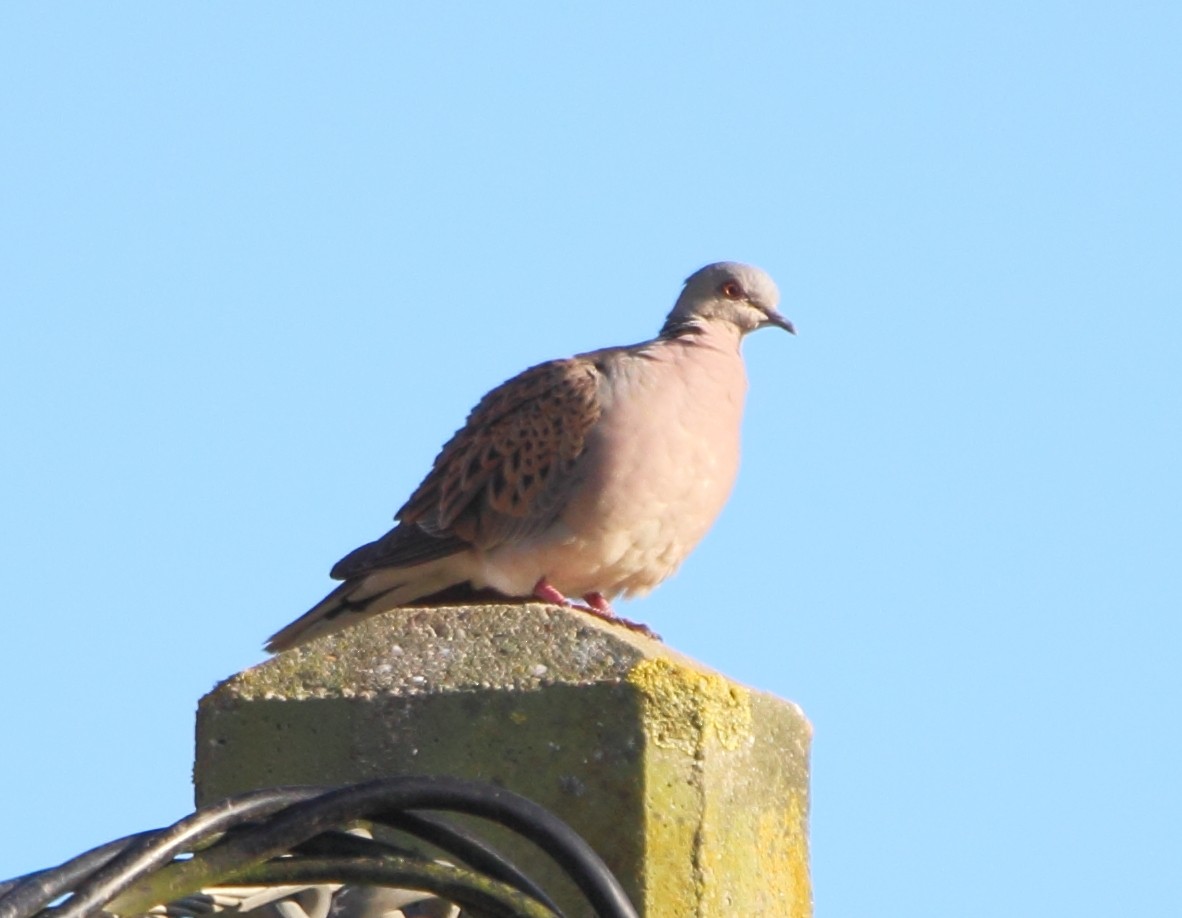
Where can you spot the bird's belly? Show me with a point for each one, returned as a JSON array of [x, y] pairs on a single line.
[[648, 499]]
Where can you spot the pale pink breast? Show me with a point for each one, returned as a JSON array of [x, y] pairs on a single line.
[[661, 465]]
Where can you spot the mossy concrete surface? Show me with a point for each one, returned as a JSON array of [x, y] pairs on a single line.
[[693, 788]]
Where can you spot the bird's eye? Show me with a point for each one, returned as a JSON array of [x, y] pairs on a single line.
[[732, 290]]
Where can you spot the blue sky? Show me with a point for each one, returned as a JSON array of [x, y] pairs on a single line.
[[259, 260]]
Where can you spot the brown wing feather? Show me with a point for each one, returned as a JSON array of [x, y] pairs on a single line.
[[403, 546], [506, 471]]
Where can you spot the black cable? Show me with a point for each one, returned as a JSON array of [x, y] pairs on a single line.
[[469, 848], [293, 816], [437, 832], [461, 887], [337, 843], [151, 853], [28, 893], [380, 798], [534, 822]]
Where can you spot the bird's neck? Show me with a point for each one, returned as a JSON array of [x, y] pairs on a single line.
[[681, 327], [695, 330]]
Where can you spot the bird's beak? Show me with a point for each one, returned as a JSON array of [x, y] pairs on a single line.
[[774, 318]]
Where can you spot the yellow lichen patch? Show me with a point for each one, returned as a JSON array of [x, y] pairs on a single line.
[[783, 859], [754, 861], [689, 707]]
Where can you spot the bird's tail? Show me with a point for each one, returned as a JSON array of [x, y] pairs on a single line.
[[360, 597]]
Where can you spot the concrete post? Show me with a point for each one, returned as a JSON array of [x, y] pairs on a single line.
[[693, 788]]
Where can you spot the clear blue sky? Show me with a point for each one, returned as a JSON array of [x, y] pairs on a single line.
[[258, 260]]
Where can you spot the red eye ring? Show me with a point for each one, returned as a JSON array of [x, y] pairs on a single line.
[[732, 290]]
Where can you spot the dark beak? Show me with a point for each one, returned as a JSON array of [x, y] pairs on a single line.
[[774, 318]]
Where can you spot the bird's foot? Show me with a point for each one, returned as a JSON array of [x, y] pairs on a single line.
[[547, 593], [596, 604]]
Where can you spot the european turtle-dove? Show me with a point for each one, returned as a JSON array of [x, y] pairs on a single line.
[[593, 476]]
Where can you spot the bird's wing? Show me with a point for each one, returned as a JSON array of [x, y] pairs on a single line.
[[505, 474], [403, 546]]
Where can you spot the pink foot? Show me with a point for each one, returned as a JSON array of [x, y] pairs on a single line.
[[597, 605], [547, 593]]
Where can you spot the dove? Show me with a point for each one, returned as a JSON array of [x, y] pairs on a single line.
[[592, 476]]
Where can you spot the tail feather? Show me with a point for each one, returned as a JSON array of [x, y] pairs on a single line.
[[361, 597]]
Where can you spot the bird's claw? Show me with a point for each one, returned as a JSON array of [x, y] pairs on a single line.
[[594, 604]]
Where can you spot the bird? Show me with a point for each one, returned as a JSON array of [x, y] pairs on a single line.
[[592, 476]]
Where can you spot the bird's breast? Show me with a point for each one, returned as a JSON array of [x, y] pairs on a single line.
[[658, 467]]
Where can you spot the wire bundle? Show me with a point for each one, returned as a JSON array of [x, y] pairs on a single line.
[[295, 835]]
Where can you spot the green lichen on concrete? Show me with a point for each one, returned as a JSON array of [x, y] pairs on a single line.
[[454, 649], [693, 788]]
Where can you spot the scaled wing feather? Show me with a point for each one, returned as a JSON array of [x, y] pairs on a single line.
[[506, 473]]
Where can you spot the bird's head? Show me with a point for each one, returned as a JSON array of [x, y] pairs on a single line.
[[737, 294]]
